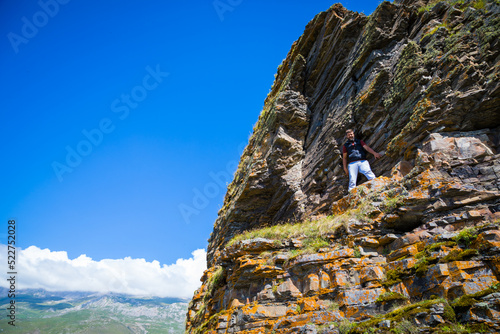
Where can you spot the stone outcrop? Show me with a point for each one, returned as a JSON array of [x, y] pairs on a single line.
[[416, 248]]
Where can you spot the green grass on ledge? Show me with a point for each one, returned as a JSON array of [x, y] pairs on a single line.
[[309, 229]]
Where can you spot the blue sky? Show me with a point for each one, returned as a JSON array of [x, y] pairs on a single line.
[[116, 115]]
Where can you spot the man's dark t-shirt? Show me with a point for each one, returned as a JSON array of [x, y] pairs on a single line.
[[354, 149]]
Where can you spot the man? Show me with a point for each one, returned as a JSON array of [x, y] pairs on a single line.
[[354, 158]]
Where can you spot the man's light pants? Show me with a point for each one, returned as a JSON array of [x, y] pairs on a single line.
[[355, 167]]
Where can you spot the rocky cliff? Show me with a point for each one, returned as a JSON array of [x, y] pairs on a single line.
[[416, 249]]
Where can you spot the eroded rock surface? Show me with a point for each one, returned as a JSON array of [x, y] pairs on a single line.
[[418, 81]]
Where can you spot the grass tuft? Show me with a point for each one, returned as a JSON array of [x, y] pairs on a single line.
[[459, 255], [314, 232], [393, 277], [390, 296]]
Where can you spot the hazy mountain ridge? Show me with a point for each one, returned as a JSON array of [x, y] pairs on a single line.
[[40, 311]]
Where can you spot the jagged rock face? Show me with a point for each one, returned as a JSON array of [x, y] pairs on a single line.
[[445, 269], [395, 77], [418, 82]]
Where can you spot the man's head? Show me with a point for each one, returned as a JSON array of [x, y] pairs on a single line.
[[349, 133]]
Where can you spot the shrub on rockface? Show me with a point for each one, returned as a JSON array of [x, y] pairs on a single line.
[[466, 236], [468, 300], [214, 282]]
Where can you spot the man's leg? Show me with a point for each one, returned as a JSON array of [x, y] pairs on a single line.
[[353, 174], [364, 168]]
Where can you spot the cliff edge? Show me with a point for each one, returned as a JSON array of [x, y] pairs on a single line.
[[414, 250]]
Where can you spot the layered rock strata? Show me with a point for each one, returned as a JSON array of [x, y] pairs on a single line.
[[418, 81]]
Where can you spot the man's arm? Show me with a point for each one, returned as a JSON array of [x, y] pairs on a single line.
[[344, 159], [368, 149]]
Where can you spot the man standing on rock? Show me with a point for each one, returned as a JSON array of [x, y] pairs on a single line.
[[354, 158]]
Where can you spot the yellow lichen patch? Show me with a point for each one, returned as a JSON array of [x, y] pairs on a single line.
[[235, 303], [406, 251], [309, 304], [263, 270], [341, 206]]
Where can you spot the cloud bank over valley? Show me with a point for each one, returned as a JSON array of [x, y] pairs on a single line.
[[52, 270]]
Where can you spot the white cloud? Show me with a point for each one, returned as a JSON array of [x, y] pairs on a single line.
[[54, 271]]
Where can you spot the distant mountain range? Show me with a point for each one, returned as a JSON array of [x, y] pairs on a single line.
[[45, 312]]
